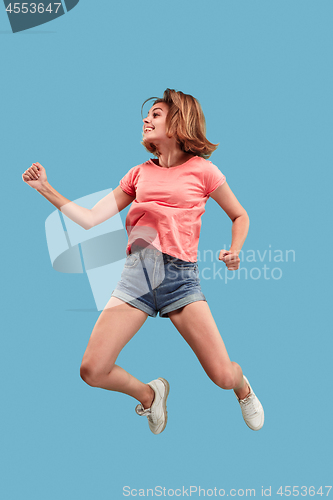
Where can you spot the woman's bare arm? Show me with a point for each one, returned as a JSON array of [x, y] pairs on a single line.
[[240, 224], [87, 218], [240, 220], [110, 205]]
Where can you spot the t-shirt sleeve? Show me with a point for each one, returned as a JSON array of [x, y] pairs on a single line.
[[129, 182], [213, 178]]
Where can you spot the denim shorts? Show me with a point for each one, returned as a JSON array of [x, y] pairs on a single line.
[[156, 282]]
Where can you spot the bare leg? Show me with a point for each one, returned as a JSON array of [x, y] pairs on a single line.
[[196, 324], [116, 325]]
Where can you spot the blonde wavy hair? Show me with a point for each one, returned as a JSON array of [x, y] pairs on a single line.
[[186, 122]]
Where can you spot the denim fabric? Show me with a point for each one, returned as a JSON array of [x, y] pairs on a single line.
[[156, 282]]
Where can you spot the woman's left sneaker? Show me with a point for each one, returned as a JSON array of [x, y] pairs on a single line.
[[252, 410], [157, 414]]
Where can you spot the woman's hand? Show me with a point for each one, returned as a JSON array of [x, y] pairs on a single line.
[[35, 176], [230, 259]]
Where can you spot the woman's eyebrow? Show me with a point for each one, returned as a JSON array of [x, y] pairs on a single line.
[[156, 109]]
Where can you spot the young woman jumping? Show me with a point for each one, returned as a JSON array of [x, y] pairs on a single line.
[[167, 196]]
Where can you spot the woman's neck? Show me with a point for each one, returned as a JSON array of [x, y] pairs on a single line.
[[173, 158]]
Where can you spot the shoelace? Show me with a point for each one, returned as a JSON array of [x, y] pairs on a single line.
[[249, 406], [140, 410]]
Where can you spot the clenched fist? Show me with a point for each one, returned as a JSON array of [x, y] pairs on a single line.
[[35, 176], [230, 259]]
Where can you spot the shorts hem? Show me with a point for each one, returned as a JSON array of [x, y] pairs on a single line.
[[134, 302], [188, 299]]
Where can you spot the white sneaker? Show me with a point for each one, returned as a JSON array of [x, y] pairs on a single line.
[[252, 410], [157, 413]]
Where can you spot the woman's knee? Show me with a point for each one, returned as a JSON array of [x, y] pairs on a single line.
[[90, 374], [224, 378]]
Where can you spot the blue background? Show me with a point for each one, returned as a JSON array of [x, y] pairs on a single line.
[[71, 92]]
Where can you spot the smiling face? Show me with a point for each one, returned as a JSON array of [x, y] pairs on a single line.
[[154, 125], [186, 126]]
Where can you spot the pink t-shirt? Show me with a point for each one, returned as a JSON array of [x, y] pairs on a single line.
[[169, 203]]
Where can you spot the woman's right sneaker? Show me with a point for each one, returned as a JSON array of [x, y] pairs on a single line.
[[252, 410], [157, 414]]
